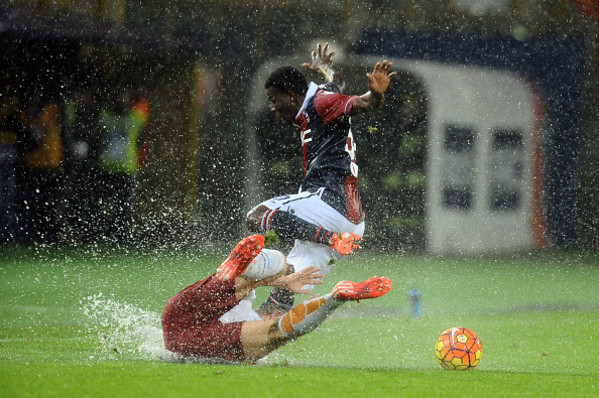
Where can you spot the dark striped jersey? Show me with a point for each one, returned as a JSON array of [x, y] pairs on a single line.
[[329, 151]]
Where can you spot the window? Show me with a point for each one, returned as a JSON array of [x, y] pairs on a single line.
[[507, 170], [459, 167]]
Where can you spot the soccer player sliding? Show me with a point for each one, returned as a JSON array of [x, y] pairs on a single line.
[[212, 319]]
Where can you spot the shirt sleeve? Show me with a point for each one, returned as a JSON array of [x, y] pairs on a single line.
[[332, 106]]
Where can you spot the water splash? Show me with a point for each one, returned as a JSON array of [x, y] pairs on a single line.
[[123, 331]]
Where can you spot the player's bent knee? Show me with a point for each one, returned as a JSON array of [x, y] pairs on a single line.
[[259, 338], [253, 217]]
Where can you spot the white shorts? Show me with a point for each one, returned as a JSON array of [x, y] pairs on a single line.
[[311, 208]]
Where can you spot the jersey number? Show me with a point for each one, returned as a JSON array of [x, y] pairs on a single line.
[[350, 148]]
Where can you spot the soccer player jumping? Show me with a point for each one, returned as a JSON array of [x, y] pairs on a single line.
[[325, 218]]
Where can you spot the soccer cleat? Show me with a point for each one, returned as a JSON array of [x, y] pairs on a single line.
[[345, 243], [280, 299], [277, 302], [241, 256], [370, 288]]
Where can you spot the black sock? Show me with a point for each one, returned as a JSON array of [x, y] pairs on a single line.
[[279, 298], [288, 226]]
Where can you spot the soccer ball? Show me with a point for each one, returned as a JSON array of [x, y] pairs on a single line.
[[458, 349]]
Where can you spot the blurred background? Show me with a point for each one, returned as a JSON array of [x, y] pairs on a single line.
[[145, 121]]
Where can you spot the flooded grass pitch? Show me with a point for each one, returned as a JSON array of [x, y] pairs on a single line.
[[85, 315]]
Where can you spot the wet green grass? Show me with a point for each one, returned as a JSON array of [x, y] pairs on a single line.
[[536, 314]]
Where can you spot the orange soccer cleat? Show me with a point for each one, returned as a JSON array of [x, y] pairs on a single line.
[[240, 258], [345, 243], [370, 288]]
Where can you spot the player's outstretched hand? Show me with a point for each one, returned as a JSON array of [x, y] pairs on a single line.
[[345, 243], [379, 79], [295, 282], [322, 61]]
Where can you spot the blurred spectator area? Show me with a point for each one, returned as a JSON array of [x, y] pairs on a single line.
[[70, 68]]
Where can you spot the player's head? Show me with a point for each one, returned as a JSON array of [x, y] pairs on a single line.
[[286, 88], [285, 79]]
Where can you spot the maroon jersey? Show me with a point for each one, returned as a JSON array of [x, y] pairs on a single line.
[[191, 325], [329, 149]]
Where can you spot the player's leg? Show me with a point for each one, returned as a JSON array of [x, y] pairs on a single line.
[[278, 215], [262, 337], [309, 220], [266, 267], [285, 224], [259, 338], [307, 315], [240, 257]]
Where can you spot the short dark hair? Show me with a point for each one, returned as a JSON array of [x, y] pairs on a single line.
[[286, 79]]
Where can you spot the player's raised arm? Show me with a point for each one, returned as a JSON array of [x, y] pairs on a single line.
[[378, 81], [322, 63]]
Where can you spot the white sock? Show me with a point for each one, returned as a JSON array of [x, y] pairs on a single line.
[[267, 263]]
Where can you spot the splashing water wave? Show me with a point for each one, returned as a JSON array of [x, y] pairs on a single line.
[[123, 331]]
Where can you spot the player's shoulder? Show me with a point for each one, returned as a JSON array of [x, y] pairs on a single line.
[[328, 93], [331, 87]]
